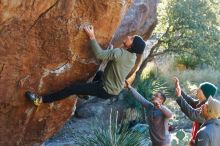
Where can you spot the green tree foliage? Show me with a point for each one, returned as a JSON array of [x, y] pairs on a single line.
[[189, 28]]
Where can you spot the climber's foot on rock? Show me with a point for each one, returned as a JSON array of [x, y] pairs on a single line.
[[37, 100]]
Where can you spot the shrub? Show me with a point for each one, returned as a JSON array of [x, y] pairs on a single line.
[[190, 62]]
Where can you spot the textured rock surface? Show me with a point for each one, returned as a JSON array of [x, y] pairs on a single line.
[[43, 48]]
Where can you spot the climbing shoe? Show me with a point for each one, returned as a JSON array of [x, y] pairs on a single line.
[[37, 100]]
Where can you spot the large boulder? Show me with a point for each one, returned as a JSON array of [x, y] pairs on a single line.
[[43, 48]]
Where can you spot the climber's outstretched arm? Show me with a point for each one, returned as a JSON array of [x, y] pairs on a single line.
[[97, 50]]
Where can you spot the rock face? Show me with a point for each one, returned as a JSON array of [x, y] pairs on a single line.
[[43, 48]]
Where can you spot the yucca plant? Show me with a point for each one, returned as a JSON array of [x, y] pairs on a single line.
[[112, 135]]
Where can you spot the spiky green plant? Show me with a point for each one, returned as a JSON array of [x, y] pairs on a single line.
[[113, 135]]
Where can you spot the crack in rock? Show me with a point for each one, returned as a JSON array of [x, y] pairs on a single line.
[[42, 14], [1, 70]]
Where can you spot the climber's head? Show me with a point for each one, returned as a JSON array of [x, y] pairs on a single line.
[[211, 109], [128, 41], [205, 90], [134, 44], [159, 97]]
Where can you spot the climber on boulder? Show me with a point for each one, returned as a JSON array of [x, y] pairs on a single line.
[[120, 63]]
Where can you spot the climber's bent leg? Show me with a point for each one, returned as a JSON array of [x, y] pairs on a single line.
[[98, 76], [94, 88]]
